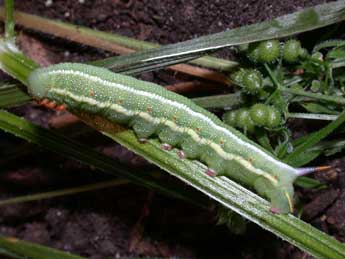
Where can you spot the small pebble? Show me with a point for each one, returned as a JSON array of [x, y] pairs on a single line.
[[48, 3]]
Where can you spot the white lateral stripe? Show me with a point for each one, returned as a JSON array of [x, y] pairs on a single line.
[[177, 105]]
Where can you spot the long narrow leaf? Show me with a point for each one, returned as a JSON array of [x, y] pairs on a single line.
[[72, 149], [101, 39], [296, 158], [226, 192], [63, 192], [301, 21], [11, 95], [23, 249]]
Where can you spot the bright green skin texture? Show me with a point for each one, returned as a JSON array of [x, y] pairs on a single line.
[[152, 111]]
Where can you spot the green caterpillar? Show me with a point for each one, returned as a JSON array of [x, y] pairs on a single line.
[[152, 111]]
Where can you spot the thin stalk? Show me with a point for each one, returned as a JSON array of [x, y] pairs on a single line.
[[311, 116], [64, 192], [334, 99], [318, 96], [219, 101], [9, 21]]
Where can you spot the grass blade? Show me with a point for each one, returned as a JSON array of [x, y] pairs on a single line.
[[318, 96], [23, 249], [219, 101], [109, 41], [296, 158], [11, 95], [72, 149], [311, 116], [301, 21], [226, 192], [63, 192]]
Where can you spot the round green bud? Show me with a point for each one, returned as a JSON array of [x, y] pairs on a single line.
[[244, 121], [303, 53], [243, 47], [230, 118], [253, 52], [252, 81], [274, 118], [317, 56], [259, 114], [292, 51], [237, 77], [315, 86], [269, 51], [297, 86]]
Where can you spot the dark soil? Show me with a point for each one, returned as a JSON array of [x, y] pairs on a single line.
[[129, 220]]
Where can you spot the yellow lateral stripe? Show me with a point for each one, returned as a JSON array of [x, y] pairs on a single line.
[[289, 201]]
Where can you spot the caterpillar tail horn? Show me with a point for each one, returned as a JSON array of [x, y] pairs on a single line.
[[309, 170]]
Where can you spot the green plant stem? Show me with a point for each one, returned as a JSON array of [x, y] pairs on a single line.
[[219, 101], [332, 99], [9, 21], [311, 116], [64, 192]]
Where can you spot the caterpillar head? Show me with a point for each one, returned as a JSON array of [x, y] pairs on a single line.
[[280, 195], [38, 83]]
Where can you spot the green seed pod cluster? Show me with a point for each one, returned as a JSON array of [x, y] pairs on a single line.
[[250, 80], [271, 50], [260, 115]]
